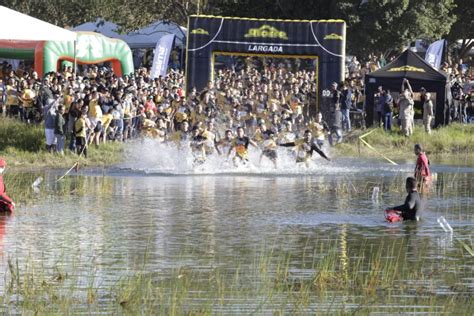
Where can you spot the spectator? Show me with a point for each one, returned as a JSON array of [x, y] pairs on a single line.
[[387, 110], [59, 133], [49, 113], [405, 105], [428, 113], [346, 104]]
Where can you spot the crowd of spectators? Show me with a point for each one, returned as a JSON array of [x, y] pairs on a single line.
[[388, 105], [93, 105]]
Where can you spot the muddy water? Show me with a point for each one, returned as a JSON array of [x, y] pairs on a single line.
[[112, 224]]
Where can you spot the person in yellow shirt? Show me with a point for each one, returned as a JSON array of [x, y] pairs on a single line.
[[12, 100], [67, 100], [27, 98], [210, 143], [319, 129], [106, 120], [80, 128]]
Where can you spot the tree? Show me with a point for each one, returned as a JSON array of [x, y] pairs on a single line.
[[373, 25], [463, 28], [378, 26]]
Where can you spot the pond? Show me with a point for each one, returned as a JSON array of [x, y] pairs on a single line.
[[299, 240]]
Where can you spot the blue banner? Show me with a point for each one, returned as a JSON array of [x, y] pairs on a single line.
[[162, 55], [434, 54]]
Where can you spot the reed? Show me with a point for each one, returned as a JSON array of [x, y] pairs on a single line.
[[374, 279]]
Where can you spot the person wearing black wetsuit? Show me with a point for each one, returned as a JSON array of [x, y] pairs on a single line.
[[305, 148], [412, 204]]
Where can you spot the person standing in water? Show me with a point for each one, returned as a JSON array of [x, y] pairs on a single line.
[[6, 203], [409, 209], [422, 168]]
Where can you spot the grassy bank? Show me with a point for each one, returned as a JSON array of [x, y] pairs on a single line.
[[455, 139], [23, 147]]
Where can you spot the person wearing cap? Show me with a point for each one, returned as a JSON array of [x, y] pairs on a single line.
[[6, 203]]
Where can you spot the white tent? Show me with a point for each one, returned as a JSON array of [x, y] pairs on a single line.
[[144, 38], [18, 26]]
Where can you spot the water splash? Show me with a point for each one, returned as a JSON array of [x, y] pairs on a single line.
[[151, 157]]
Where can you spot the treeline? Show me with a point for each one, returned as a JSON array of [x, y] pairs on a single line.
[[374, 26]]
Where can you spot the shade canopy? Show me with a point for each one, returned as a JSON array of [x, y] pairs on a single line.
[[420, 74], [146, 37], [18, 26]]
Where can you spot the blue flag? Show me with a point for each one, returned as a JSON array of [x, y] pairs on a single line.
[[162, 56], [434, 54]]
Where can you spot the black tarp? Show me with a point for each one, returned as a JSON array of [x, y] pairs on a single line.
[[420, 74]]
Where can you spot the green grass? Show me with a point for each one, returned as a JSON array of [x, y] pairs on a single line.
[[23, 147], [453, 139]]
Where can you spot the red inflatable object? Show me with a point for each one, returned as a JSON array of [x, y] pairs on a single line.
[[393, 216]]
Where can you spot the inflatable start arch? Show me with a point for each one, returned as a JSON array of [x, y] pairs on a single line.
[[91, 48], [321, 40]]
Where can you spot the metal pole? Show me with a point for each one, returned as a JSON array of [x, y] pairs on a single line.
[[75, 59]]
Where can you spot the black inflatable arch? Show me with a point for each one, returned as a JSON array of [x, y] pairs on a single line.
[[323, 40]]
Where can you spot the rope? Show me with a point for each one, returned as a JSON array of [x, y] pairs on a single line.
[[361, 138], [76, 164]]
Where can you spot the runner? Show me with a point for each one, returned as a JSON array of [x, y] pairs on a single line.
[[240, 146], [269, 149], [305, 148]]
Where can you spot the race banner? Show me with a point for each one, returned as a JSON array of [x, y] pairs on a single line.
[[323, 41], [434, 54], [162, 55]]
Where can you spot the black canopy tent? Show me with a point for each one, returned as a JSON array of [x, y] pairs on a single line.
[[420, 74]]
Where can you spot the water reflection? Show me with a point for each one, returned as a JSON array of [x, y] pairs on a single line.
[[111, 226]]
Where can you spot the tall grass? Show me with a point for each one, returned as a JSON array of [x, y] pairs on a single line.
[[16, 134], [451, 139], [23, 146], [377, 279]]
